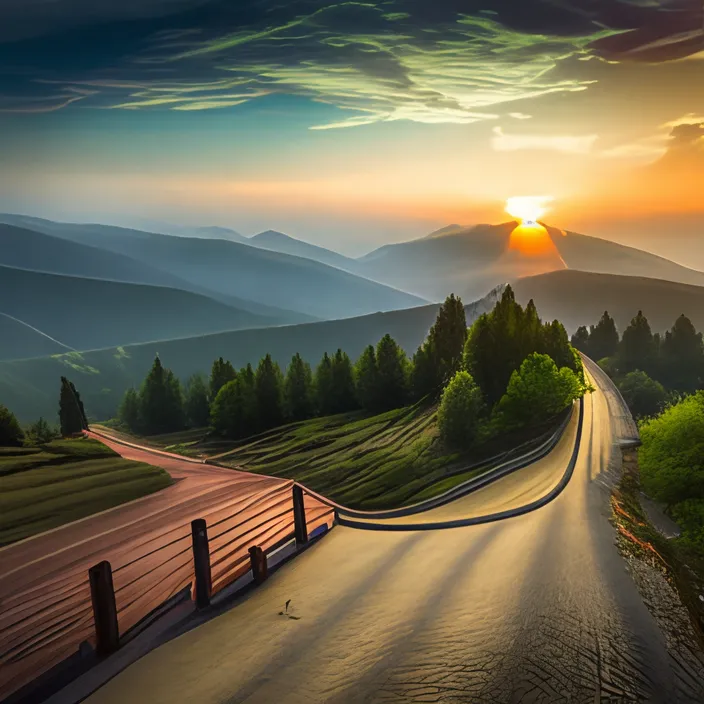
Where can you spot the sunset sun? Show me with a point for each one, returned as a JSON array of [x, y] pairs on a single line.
[[528, 209]]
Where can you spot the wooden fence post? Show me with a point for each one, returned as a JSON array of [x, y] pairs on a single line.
[[201, 562], [260, 569], [299, 517], [102, 592]]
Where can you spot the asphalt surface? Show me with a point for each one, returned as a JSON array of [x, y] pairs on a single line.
[[536, 608]]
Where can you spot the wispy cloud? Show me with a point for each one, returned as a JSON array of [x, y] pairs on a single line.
[[567, 144]]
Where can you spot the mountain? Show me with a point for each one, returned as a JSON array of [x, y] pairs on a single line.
[[90, 313], [29, 387], [579, 298], [18, 340], [471, 260], [29, 249], [279, 242], [235, 269], [218, 233]]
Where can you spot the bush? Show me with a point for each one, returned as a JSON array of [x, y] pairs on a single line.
[[460, 406], [672, 455], [537, 392], [40, 433], [11, 434]]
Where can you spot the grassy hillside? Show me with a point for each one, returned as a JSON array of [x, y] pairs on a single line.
[[25, 248], [241, 270], [579, 298], [19, 340], [44, 487], [90, 313]]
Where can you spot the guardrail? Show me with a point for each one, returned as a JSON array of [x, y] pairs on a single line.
[[46, 622]]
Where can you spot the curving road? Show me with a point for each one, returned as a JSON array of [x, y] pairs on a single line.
[[537, 608]]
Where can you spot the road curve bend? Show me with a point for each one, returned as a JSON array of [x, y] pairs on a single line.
[[536, 608]]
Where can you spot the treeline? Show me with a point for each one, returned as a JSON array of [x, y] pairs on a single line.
[[240, 403], [72, 420], [650, 369]]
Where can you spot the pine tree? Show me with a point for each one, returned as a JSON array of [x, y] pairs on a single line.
[[248, 401], [268, 383], [366, 379], [298, 389], [580, 340], [682, 357], [344, 397], [603, 338], [221, 372], [71, 413], [324, 386], [392, 374], [556, 345], [637, 347], [130, 413], [447, 337], [424, 376], [196, 404], [11, 434], [160, 401]]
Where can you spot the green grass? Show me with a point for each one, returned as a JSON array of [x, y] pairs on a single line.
[[377, 462], [45, 487]]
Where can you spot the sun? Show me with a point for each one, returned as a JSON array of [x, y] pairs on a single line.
[[528, 209]]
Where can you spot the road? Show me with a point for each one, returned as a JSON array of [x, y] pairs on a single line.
[[536, 608], [46, 608]]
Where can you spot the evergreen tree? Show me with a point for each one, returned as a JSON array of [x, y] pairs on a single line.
[[344, 397], [447, 337], [71, 413], [130, 413], [682, 357], [458, 414], [248, 401], [392, 374], [424, 377], [531, 330], [298, 389], [160, 401], [221, 372], [11, 434], [324, 386], [366, 377], [234, 411], [603, 338], [196, 403], [556, 345], [268, 384], [637, 347], [580, 340], [644, 396], [40, 433]]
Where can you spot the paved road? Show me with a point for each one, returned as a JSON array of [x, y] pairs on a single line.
[[537, 608], [45, 601]]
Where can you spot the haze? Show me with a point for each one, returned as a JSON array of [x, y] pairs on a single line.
[[357, 124]]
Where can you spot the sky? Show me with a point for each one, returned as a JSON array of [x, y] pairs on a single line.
[[354, 124]]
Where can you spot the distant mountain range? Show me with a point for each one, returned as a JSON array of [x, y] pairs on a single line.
[[577, 298]]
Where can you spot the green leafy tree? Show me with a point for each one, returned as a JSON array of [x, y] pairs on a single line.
[[298, 390], [536, 392], [11, 434], [530, 330], [234, 412], [392, 374], [268, 384], [221, 372], [460, 407], [71, 412], [644, 396], [130, 412], [161, 401], [196, 404], [603, 338], [366, 379], [344, 396], [637, 349], [324, 386], [671, 457], [556, 345], [682, 357], [40, 433]]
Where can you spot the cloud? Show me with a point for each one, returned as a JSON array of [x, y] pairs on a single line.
[[378, 61], [519, 116], [502, 142]]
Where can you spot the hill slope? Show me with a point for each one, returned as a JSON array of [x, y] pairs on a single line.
[[579, 298], [18, 340], [235, 269], [279, 242], [90, 313]]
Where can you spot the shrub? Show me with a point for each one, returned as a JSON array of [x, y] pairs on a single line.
[[11, 434], [460, 406]]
